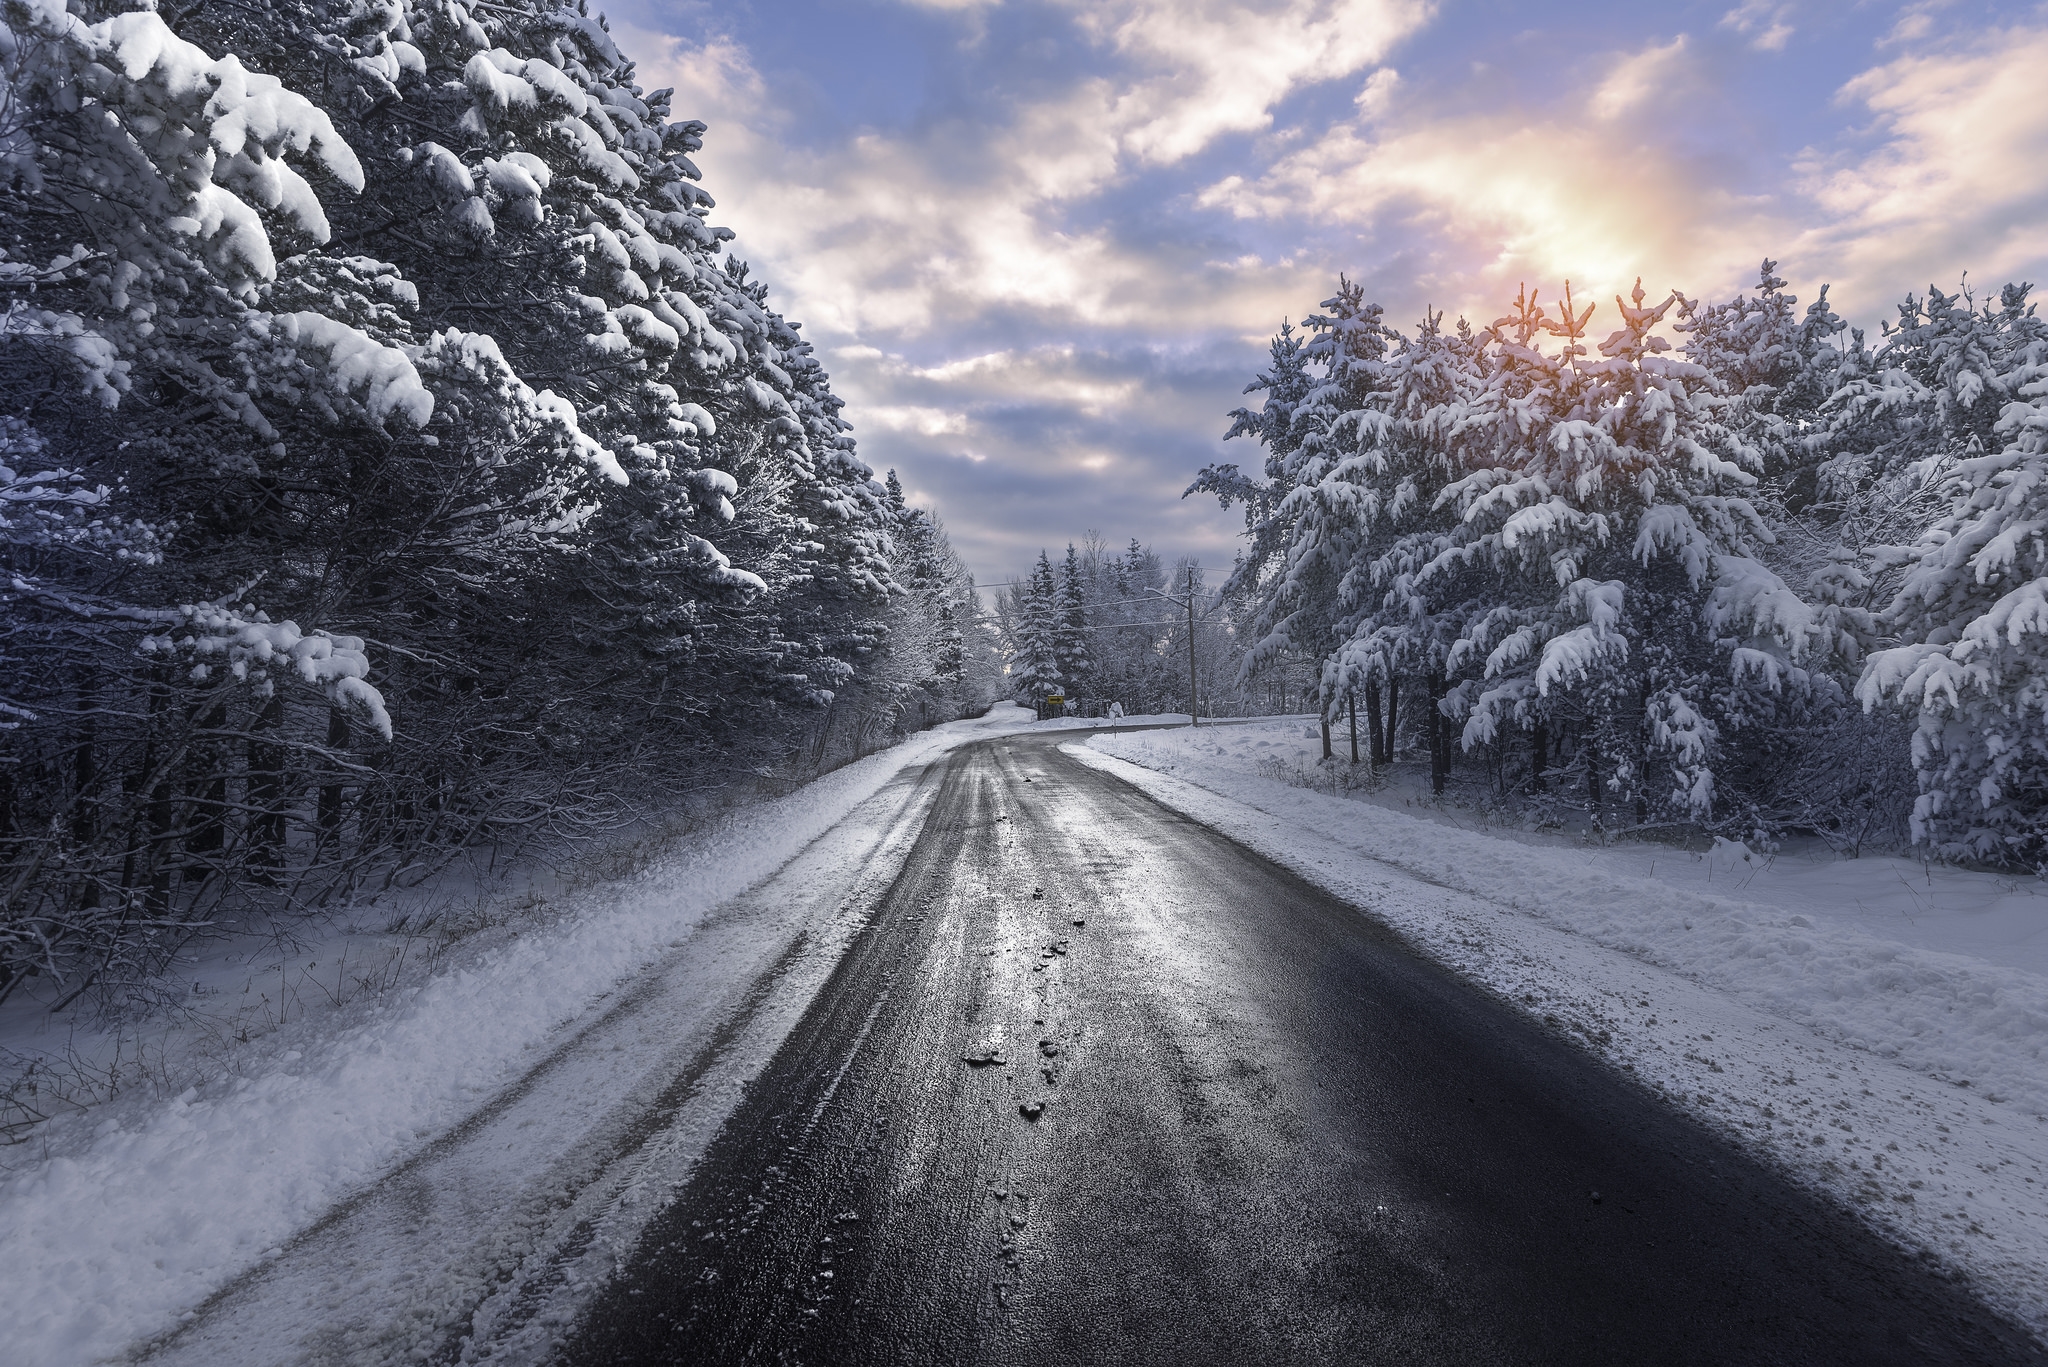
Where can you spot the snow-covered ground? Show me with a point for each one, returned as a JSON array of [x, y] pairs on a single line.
[[118, 1218], [1874, 1025], [1878, 1027]]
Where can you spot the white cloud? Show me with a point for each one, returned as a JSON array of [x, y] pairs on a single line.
[[1375, 97], [888, 234], [1055, 375], [1956, 182], [1211, 67], [1916, 22], [926, 422], [1763, 22], [1950, 182], [1641, 78]]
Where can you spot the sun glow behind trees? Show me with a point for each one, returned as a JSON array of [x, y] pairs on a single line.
[[1040, 243]]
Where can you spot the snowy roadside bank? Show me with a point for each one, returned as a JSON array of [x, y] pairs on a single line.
[[118, 1218], [1909, 1083]]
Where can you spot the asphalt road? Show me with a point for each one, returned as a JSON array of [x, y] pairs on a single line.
[[1230, 1120]]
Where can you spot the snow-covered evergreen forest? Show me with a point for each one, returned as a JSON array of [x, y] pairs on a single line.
[[1732, 566], [395, 459], [1103, 626]]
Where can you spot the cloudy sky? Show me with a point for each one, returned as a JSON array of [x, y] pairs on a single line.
[[1041, 244]]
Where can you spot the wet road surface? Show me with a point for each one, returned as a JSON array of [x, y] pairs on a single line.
[[1097, 1085]]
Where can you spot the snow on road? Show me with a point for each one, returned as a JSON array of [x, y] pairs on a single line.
[[116, 1221], [1904, 1069]]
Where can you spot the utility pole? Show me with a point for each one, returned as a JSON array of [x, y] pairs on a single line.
[[1194, 698]]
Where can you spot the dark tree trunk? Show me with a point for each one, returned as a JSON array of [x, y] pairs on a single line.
[[163, 807], [1539, 761], [147, 867], [266, 793], [1393, 719], [1374, 729], [1351, 706], [1439, 735], [84, 777], [330, 809], [1326, 735], [209, 817]]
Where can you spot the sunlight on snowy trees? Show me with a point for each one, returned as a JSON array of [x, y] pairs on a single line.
[[396, 460], [1729, 566]]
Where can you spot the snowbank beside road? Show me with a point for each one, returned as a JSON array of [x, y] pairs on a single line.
[[1799, 941], [1911, 1083], [132, 1213], [1998, 918]]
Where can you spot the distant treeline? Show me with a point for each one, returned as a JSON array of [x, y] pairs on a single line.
[[1104, 626]]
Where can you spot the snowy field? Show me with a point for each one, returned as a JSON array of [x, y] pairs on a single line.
[[1878, 1027], [117, 1218]]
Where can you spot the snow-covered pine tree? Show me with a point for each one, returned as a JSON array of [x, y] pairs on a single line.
[[1286, 383], [1071, 648], [1932, 393], [1408, 444], [1128, 666], [1581, 546], [1615, 513], [1119, 647], [1888, 448], [921, 672], [556, 204], [1304, 523], [1777, 368], [1034, 657], [1569, 534], [152, 187], [1807, 754], [1972, 611], [982, 658], [444, 353]]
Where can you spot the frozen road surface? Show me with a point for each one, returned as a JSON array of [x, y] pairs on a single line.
[[1096, 1085], [1015, 1065]]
